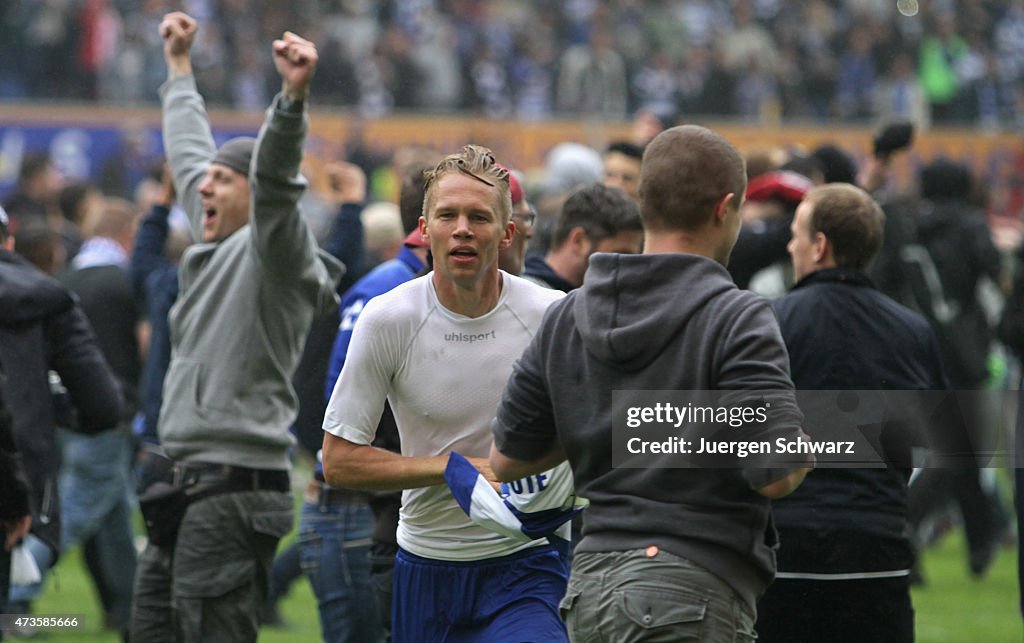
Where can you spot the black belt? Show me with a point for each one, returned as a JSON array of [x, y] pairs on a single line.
[[318, 493], [228, 477]]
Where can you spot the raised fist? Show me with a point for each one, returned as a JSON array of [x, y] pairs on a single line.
[[295, 59], [348, 182], [178, 31]]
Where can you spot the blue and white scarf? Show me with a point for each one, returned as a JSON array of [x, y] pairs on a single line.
[[100, 251], [535, 507]]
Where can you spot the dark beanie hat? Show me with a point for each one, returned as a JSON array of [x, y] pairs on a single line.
[[836, 165], [236, 154], [945, 179]]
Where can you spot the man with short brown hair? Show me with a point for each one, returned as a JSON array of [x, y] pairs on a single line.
[[667, 553], [845, 558], [840, 219]]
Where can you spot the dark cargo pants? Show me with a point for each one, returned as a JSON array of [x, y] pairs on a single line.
[[211, 587], [651, 595]]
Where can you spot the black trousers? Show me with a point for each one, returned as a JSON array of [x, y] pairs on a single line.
[[836, 611], [5, 578]]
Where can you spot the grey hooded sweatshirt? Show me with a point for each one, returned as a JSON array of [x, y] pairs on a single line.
[[654, 322], [246, 302]]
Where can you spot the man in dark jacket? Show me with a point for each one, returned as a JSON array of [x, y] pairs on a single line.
[[686, 551], [15, 515], [949, 252], [43, 329], [843, 532]]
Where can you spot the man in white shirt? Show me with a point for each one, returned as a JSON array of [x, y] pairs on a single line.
[[440, 349]]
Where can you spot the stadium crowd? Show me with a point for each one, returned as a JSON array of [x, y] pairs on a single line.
[[951, 62]]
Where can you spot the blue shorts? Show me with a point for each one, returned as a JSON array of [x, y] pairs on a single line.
[[510, 599]]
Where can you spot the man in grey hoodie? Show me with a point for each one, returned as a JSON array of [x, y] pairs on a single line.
[[248, 293], [667, 552]]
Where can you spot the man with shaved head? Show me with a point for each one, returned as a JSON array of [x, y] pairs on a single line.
[[671, 553]]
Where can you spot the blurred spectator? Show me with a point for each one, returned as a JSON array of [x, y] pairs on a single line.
[[435, 59], [533, 79], [96, 469], [249, 89], [656, 85], [491, 93], [648, 124], [856, 83], [35, 195], [836, 165], [941, 51], [622, 167], [156, 250], [76, 200], [758, 259], [899, 95], [958, 246], [360, 151], [99, 29], [139, 156], [382, 229], [756, 95], [1009, 41], [567, 166], [593, 78], [511, 259], [747, 41], [42, 246]]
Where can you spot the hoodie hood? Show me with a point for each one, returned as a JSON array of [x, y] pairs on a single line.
[[934, 217], [28, 294], [632, 306]]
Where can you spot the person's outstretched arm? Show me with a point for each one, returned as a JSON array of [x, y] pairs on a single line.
[[188, 141], [149, 250], [285, 248]]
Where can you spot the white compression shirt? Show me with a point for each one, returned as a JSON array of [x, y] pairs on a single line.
[[443, 374]]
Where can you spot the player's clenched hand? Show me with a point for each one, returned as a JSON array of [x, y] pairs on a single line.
[[483, 465]]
